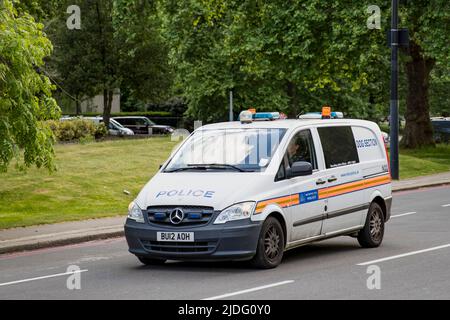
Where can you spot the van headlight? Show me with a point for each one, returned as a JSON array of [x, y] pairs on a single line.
[[135, 213], [237, 211]]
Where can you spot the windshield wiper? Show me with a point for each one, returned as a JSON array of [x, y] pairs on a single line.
[[217, 165], [207, 166], [189, 167]]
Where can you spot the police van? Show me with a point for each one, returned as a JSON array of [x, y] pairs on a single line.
[[252, 189]]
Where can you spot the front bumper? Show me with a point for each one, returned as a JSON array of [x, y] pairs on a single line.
[[235, 240], [388, 202]]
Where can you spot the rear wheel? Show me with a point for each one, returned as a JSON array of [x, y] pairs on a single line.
[[372, 234], [269, 251], [151, 261]]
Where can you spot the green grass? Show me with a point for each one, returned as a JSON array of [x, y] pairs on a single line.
[[424, 161], [89, 182], [91, 178]]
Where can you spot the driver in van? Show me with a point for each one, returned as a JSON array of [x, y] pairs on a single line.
[[297, 151]]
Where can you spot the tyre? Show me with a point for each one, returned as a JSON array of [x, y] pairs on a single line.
[[372, 234], [270, 248], [151, 261]]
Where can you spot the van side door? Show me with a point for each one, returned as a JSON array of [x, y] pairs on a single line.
[[343, 191]]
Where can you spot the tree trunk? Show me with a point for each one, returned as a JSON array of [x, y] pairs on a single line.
[[293, 100], [77, 106], [107, 105], [418, 130]]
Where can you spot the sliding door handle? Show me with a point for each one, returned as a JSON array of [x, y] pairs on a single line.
[[320, 181], [332, 179]]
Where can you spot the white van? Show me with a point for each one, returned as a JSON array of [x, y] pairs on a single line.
[[251, 190]]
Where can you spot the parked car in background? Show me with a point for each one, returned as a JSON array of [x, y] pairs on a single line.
[[115, 128], [441, 129], [143, 125]]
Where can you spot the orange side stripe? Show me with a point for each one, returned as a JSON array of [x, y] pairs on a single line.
[[282, 201], [346, 188], [291, 200]]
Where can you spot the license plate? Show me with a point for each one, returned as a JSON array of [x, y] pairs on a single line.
[[175, 236]]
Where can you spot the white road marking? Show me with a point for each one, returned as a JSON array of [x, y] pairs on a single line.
[[249, 290], [41, 278], [404, 255], [446, 205], [403, 214]]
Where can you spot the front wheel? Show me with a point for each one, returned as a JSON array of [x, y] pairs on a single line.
[[270, 248], [372, 234]]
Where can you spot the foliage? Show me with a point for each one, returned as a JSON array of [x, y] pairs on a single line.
[[137, 113], [439, 91], [25, 93], [77, 130], [295, 56], [118, 46], [287, 56]]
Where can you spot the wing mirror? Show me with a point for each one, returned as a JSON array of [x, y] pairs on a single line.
[[299, 169]]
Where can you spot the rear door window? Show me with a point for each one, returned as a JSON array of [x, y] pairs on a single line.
[[339, 147], [368, 145]]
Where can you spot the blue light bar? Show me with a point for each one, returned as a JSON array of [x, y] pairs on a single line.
[[266, 116], [160, 215]]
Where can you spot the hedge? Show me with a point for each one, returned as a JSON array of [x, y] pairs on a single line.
[[128, 114], [77, 130]]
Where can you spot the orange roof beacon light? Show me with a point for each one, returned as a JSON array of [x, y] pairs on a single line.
[[252, 110], [326, 112]]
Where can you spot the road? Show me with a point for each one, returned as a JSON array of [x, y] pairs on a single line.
[[413, 263]]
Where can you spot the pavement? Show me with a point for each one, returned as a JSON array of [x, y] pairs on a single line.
[[37, 237], [412, 263]]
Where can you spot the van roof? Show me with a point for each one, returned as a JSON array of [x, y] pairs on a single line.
[[285, 124]]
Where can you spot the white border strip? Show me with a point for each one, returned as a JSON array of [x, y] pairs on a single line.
[[41, 278], [404, 255], [249, 290], [403, 214]]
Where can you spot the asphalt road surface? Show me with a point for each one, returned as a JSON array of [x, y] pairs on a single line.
[[413, 263]]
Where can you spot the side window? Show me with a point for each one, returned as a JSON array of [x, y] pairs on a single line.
[[368, 144], [339, 146], [300, 148], [123, 122], [140, 122]]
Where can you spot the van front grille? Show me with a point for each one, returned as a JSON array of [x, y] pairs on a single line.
[[193, 215]]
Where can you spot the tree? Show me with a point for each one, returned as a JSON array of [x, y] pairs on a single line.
[[275, 55], [25, 93], [428, 23], [295, 55], [439, 93], [143, 54], [118, 46]]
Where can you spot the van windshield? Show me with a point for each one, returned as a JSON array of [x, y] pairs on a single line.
[[244, 150]]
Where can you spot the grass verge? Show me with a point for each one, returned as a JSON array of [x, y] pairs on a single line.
[[424, 161], [89, 182]]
